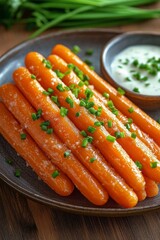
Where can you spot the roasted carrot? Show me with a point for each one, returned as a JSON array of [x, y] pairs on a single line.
[[89, 156], [130, 145], [146, 123], [52, 146], [151, 187], [28, 149], [112, 151]]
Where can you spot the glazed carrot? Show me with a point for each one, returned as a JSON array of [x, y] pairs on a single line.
[[146, 123], [89, 156], [151, 187], [141, 195], [52, 146], [28, 149], [130, 145], [112, 151]]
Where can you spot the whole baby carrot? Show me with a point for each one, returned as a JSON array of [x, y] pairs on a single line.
[[111, 150], [71, 79], [28, 149], [146, 123], [151, 187], [130, 144], [51, 145], [69, 134]]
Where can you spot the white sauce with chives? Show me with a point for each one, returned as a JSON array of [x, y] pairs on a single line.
[[137, 68]]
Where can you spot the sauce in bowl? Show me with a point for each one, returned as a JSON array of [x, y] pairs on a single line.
[[137, 68]]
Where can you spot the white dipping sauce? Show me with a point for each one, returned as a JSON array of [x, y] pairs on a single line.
[[137, 68]]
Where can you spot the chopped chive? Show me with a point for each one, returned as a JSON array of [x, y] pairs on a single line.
[[47, 64], [76, 91], [135, 63], [59, 74], [84, 142], [77, 114], [109, 123], [63, 111], [92, 67], [46, 93], [88, 62], [98, 112], [128, 126], [119, 134], [136, 90], [106, 95], [92, 159], [50, 90], [90, 139], [120, 91], [34, 116], [55, 174], [153, 164], [98, 123], [33, 76], [89, 52], [88, 93], [49, 131], [139, 165], [82, 103], [130, 120], [9, 161], [44, 128], [76, 49], [110, 104], [60, 87], [23, 136], [92, 110], [128, 79], [70, 66], [110, 138], [81, 84], [17, 173], [70, 102], [91, 129], [45, 123], [85, 78], [131, 110], [67, 72], [89, 105], [133, 135], [83, 133], [67, 154], [55, 99]]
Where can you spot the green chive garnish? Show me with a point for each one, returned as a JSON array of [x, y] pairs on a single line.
[[67, 154], [133, 135], [76, 49], [17, 173], [92, 159], [139, 165], [77, 114], [84, 142], [98, 123], [153, 164], [110, 138], [91, 129], [89, 52], [63, 111], [83, 133], [109, 123], [23, 136], [55, 174], [33, 76], [131, 110], [120, 91], [106, 95], [69, 101]]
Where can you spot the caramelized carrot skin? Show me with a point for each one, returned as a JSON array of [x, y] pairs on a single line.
[[115, 185], [146, 123], [52, 146], [130, 145], [111, 151], [28, 149]]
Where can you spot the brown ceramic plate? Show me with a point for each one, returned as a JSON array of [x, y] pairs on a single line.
[[28, 183]]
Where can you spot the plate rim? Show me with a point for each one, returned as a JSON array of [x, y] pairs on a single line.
[[94, 211]]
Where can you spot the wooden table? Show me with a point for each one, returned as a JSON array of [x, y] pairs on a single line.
[[22, 218]]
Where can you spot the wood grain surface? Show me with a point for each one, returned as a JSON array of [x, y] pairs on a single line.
[[21, 218]]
